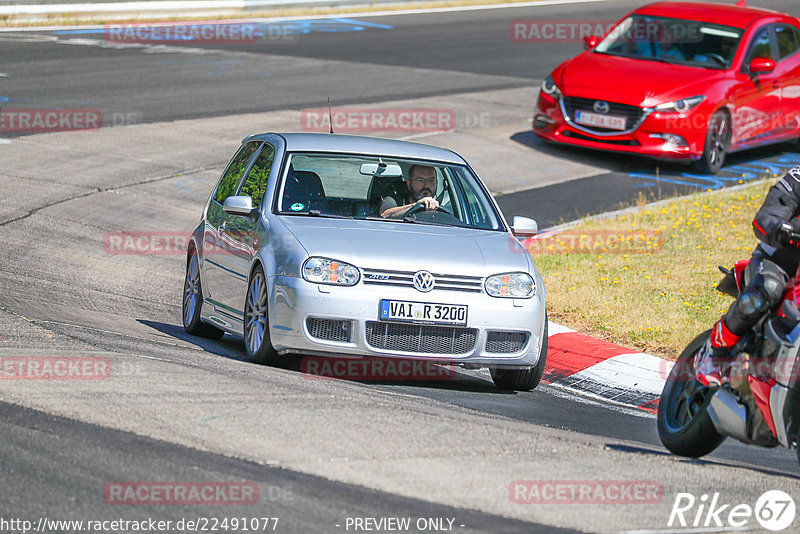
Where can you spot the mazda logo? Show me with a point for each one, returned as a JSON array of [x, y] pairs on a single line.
[[423, 281], [600, 106]]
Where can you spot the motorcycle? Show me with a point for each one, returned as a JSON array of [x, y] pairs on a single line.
[[761, 404]]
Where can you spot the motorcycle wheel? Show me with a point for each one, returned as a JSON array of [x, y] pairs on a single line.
[[684, 426]]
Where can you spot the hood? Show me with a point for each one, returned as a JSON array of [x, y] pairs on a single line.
[[409, 247], [637, 82]]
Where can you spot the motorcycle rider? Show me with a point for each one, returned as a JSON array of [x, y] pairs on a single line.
[[776, 225]]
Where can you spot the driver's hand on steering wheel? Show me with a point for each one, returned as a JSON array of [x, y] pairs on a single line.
[[430, 203]]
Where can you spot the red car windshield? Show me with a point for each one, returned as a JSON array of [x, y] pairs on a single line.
[[669, 40]]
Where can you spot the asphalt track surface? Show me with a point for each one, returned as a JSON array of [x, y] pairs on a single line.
[[191, 409]]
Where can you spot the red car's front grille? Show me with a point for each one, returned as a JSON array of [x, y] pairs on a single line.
[[632, 114], [621, 142]]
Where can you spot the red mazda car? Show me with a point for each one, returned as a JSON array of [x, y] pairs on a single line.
[[679, 81]]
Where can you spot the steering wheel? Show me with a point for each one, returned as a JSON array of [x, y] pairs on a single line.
[[716, 57], [421, 207]]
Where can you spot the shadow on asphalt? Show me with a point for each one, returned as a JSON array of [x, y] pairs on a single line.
[[232, 348], [228, 347], [618, 162], [708, 460]]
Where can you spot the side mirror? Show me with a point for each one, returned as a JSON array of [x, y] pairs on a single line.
[[524, 227], [590, 41], [241, 205], [761, 65]]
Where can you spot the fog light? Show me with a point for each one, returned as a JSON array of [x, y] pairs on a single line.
[[540, 121], [671, 140]]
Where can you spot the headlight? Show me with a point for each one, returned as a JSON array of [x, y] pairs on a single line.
[[679, 106], [327, 271], [549, 88], [510, 285]]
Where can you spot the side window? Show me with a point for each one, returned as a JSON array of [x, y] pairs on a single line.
[[233, 174], [761, 46], [256, 183], [786, 38]]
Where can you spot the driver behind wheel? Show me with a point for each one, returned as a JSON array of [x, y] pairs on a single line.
[[422, 185]]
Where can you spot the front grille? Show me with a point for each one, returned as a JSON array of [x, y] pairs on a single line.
[[633, 114], [452, 282], [420, 338], [621, 142], [329, 329], [505, 342]]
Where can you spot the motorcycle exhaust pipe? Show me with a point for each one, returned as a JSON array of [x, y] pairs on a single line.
[[729, 417]]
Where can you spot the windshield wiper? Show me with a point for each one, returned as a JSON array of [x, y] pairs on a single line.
[[318, 213]]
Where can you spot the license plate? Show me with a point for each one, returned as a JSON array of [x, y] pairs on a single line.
[[612, 122], [423, 312]]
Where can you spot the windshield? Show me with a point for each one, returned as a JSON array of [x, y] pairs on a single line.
[[331, 185], [683, 42]]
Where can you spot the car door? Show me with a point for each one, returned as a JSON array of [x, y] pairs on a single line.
[[214, 247], [240, 236], [787, 39], [756, 96]]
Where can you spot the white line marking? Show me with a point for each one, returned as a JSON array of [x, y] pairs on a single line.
[[585, 397], [5, 141], [319, 17], [553, 329], [635, 372]]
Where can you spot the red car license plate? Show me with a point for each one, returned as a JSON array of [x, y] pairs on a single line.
[[612, 122]]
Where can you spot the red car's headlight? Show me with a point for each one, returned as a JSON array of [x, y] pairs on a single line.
[[679, 106], [550, 88]]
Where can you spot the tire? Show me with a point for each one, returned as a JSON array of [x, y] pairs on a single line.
[[193, 302], [684, 426], [523, 379], [718, 142], [256, 321]]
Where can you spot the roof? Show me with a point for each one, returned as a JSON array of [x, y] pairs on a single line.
[[725, 14], [353, 144]]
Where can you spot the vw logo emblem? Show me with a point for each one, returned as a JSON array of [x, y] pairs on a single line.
[[423, 281], [600, 106]]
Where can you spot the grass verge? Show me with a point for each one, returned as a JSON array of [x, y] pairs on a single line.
[[646, 278]]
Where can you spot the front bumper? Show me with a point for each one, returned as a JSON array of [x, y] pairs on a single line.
[[550, 123], [294, 301]]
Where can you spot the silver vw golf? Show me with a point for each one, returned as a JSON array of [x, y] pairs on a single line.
[[333, 245]]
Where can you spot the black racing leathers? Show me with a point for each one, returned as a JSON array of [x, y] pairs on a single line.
[[780, 208], [774, 260]]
